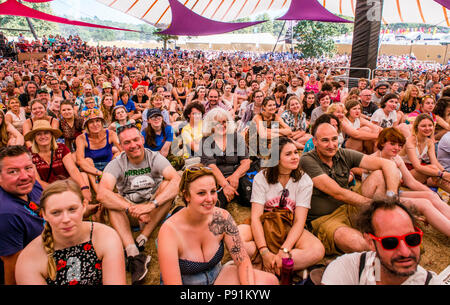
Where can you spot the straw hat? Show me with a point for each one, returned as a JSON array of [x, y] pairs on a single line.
[[92, 114], [42, 125]]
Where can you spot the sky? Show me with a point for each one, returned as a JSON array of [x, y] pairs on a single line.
[[90, 8]]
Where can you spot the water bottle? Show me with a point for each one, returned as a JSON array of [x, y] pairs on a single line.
[[287, 268]]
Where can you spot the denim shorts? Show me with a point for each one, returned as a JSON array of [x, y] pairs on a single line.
[[207, 277]]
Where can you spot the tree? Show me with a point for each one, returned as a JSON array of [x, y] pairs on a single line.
[[164, 38], [315, 39], [42, 27]]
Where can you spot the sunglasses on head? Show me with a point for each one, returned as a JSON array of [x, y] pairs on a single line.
[[127, 126], [390, 243], [284, 195]]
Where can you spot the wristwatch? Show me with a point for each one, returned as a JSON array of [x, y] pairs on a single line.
[[285, 250], [390, 194], [155, 203]]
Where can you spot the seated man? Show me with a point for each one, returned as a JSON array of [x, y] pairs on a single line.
[[332, 203], [394, 240], [147, 184], [20, 194]]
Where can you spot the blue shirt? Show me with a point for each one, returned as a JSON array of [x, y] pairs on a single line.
[[130, 106], [19, 220], [159, 140]]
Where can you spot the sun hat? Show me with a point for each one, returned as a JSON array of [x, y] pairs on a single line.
[[42, 125], [107, 85], [92, 114]]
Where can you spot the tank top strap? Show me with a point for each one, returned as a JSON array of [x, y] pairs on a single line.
[[87, 140], [107, 136], [92, 230]]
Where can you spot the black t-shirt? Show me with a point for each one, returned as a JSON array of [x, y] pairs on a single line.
[[369, 110]]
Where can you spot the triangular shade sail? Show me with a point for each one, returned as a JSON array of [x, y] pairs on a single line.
[[186, 22], [310, 10], [14, 8], [445, 3]]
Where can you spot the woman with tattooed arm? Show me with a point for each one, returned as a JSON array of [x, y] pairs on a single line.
[[191, 242]]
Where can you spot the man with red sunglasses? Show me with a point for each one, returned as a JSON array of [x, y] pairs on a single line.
[[395, 240]]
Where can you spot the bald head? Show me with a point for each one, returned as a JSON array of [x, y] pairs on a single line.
[[325, 129]]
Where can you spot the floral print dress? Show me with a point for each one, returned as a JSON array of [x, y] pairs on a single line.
[[77, 265]]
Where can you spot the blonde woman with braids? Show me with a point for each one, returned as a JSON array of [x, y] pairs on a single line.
[[70, 251]]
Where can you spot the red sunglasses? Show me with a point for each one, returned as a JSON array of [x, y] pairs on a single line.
[[392, 242]]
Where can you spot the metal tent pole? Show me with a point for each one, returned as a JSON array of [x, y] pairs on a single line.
[[278, 39]]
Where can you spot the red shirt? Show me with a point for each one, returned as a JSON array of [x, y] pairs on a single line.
[[142, 83], [59, 171]]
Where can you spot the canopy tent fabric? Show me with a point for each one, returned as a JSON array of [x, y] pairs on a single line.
[[310, 10], [399, 11], [158, 13], [37, 1], [14, 8], [186, 22]]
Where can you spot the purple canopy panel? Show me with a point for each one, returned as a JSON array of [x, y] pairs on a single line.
[[186, 22], [445, 3], [310, 10], [14, 8]]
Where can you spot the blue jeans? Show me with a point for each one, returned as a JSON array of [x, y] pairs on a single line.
[[207, 277]]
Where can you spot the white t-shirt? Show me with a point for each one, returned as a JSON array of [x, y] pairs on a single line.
[[344, 270], [269, 194], [384, 121]]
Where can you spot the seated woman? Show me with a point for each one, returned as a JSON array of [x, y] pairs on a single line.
[[269, 124], [140, 99], [427, 105], [360, 134], [309, 103], [191, 242], [38, 112], [284, 189], [157, 101], [107, 107], [9, 135], [120, 118], [295, 118], [53, 160], [70, 125], [253, 108], [158, 135], [338, 110], [442, 112], [419, 197], [95, 147], [192, 132], [16, 114], [386, 116], [86, 254], [419, 155], [410, 100], [324, 102], [226, 153]]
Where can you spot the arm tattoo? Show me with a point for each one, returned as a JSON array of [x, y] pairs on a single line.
[[220, 225]]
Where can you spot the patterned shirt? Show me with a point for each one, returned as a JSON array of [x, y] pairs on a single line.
[[289, 118]]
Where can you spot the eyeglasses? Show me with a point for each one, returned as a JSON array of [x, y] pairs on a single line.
[[390, 243], [127, 126], [284, 195]]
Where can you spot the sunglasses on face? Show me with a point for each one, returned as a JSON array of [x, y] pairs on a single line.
[[390, 243]]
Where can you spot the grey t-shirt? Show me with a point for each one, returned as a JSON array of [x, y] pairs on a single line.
[[443, 152], [137, 183]]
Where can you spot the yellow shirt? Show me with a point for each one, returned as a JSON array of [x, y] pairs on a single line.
[[190, 134]]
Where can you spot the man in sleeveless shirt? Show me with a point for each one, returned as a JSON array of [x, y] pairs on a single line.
[[147, 185]]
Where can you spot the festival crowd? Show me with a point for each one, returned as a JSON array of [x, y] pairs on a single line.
[[101, 146]]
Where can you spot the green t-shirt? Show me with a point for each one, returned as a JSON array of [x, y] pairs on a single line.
[[344, 160]]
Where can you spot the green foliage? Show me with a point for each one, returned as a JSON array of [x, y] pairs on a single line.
[[270, 26], [164, 38], [41, 27], [315, 38]]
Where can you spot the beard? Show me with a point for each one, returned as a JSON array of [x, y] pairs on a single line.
[[392, 270]]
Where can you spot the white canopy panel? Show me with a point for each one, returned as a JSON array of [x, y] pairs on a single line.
[[157, 12], [396, 11]]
